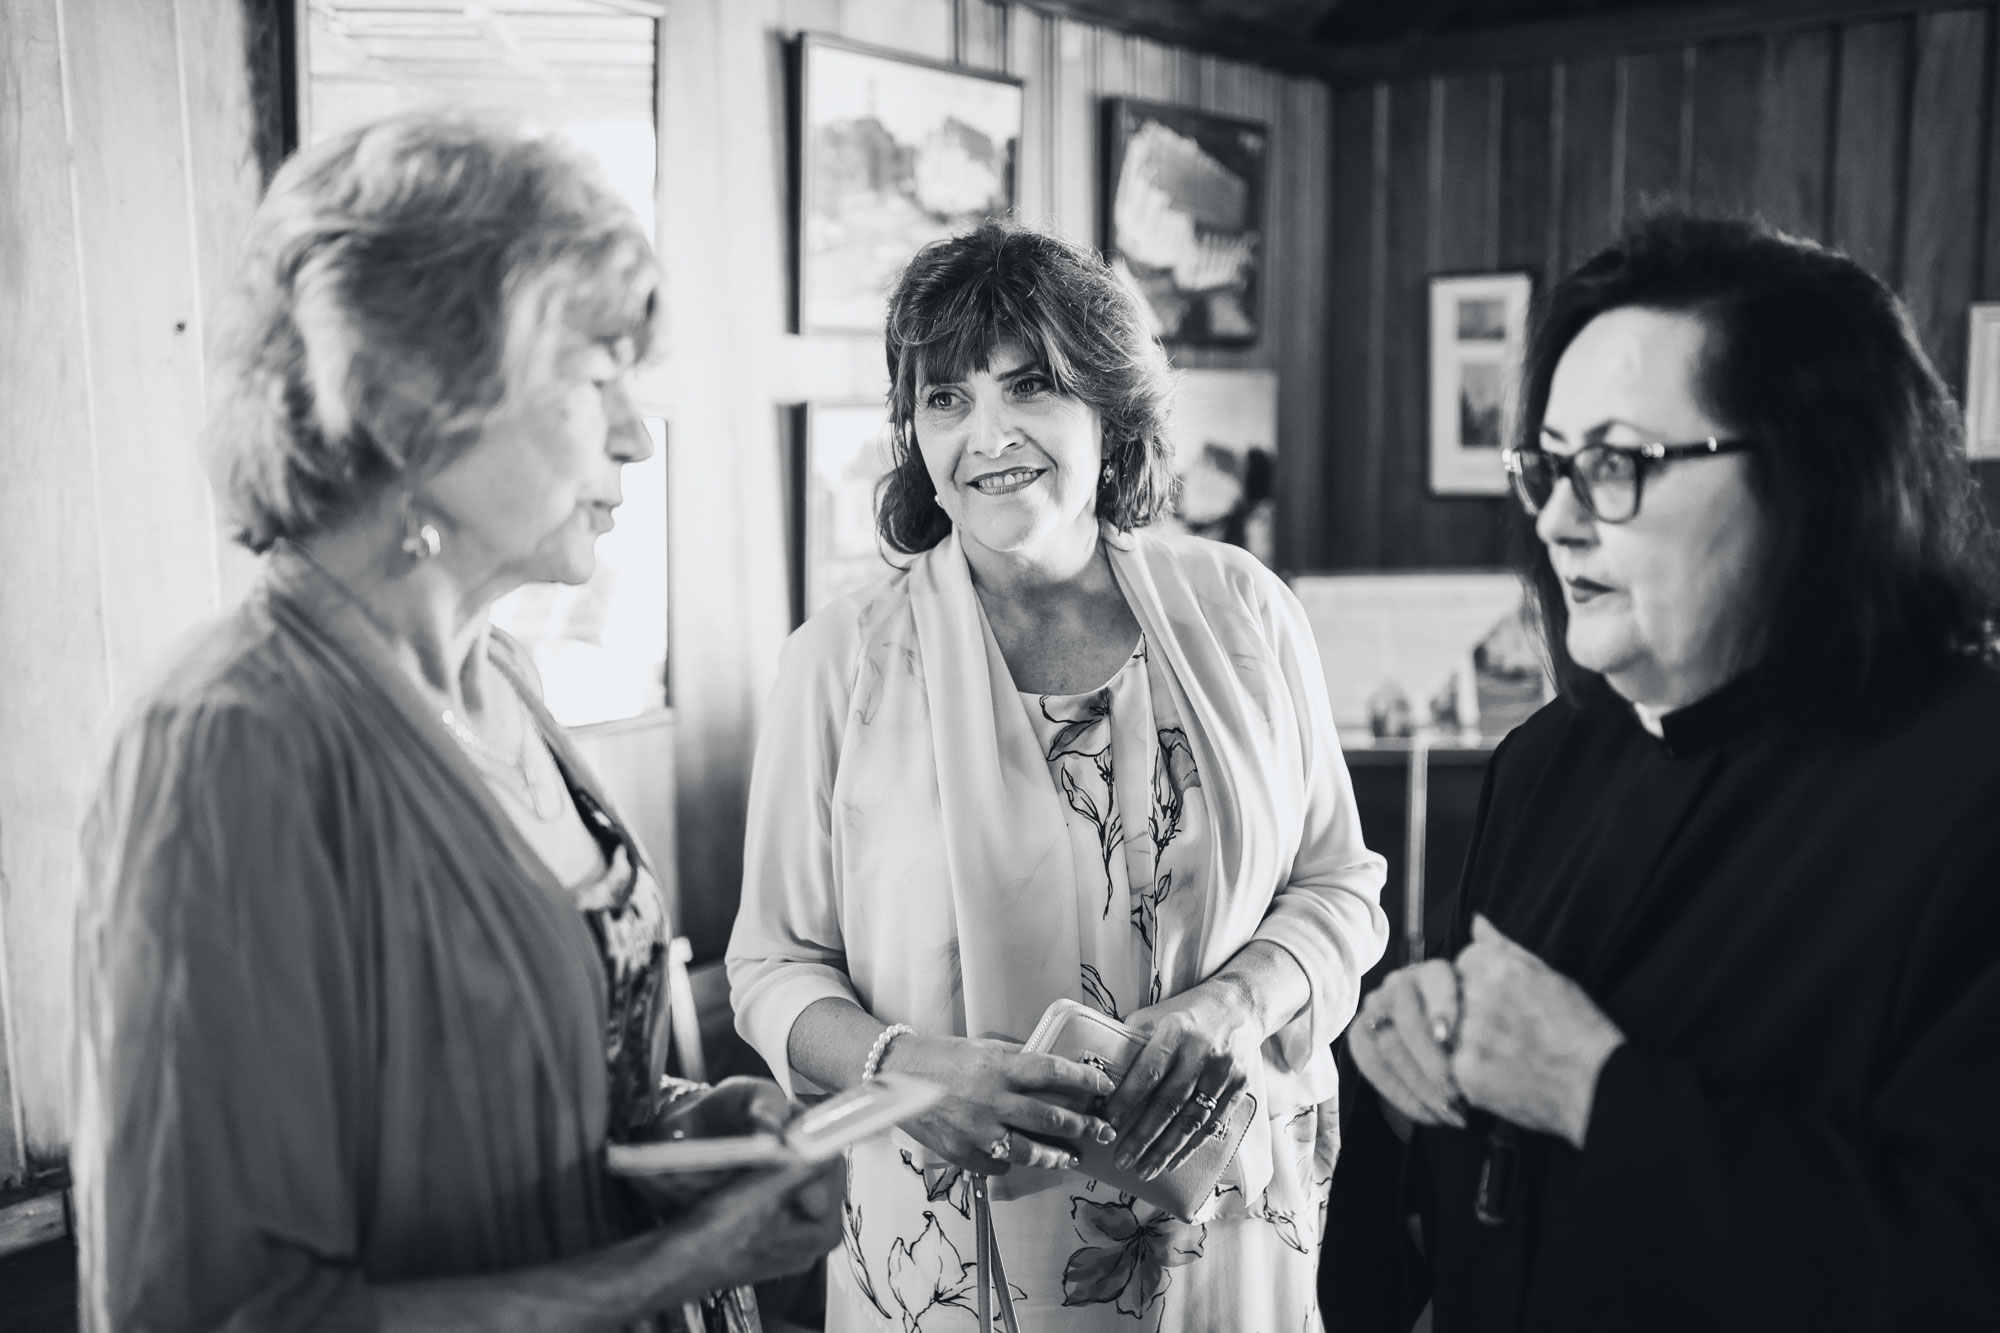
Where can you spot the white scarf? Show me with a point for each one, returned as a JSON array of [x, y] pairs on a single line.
[[1006, 848]]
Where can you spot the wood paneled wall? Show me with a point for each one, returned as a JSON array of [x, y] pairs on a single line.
[[125, 148], [1875, 137], [731, 365]]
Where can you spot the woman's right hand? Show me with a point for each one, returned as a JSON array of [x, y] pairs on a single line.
[[768, 1224], [1402, 1042], [995, 1091]]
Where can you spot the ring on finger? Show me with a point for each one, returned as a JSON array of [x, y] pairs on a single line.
[[1204, 1101], [1001, 1148], [1381, 1022]]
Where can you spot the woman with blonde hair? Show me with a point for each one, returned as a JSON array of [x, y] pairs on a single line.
[[369, 967]]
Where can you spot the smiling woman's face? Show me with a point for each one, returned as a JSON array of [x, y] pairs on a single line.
[[1014, 462], [1665, 605]]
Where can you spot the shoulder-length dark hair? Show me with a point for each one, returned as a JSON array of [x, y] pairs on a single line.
[[1883, 562], [964, 296]]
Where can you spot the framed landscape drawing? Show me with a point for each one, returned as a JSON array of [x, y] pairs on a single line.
[[1225, 434], [894, 152], [846, 455], [1479, 325], [1184, 217]]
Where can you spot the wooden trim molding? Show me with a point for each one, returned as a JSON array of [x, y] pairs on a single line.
[[1607, 33]]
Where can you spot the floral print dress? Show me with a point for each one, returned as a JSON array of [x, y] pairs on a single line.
[[1084, 1255]]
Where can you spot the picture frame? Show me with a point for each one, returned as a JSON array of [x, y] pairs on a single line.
[[1225, 435], [1183, 217], [892, 152], [844, 455], [1478, 333], [1982, 382]]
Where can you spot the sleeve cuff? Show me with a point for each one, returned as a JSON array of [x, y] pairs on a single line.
[[1331, 993], [767, 1007]]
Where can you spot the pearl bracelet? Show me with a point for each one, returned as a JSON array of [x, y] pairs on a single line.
[[873, 1064]]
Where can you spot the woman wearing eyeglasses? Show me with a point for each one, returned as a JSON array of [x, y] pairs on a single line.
[[1714, 1043]]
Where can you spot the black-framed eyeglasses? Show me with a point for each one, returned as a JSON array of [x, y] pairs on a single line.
[[1607, 478]]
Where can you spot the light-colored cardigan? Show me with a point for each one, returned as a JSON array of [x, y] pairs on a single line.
[[906, 847]]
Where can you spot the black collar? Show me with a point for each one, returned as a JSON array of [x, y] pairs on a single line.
[[1706, 723]]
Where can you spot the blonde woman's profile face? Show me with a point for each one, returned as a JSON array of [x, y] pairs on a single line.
[[542, 483]]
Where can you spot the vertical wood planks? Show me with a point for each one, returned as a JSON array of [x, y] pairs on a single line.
[[1405, 334], [225, 183], [52, 653], [1727, 101], [1030, 39], [1353, 537], [1072, 104], [1590, 96], [1870, 135], [921, 27], [1793, 126], [1527, 167], [1305, 110], [982, 34], [1940, 241], [1460, 530], [1655, 91], [141, 315]]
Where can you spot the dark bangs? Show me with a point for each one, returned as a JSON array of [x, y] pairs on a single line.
[[961, 299]]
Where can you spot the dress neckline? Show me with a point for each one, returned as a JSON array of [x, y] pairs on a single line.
[[1138, 655]]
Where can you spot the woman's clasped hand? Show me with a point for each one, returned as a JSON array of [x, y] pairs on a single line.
[[1496, 1030], [1003, 1107], [1200, 1047]]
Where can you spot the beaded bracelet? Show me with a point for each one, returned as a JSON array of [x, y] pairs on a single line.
[[873, 1064]]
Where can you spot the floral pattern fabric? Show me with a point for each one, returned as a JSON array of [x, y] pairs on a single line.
[[1084, 1256]]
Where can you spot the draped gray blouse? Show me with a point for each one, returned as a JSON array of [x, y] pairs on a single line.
[[337, 1022]]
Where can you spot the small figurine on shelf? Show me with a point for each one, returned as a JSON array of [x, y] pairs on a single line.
[[1390, 716]]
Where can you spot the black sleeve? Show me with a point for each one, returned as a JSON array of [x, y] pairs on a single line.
[[1880, 1216]]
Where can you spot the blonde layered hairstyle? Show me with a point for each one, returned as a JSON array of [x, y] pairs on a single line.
[[402, 285]]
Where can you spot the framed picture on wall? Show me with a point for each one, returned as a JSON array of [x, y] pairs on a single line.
[[1479, 325], [1225, 434], [846, 454], [1982, 382], [894, 152], [1184, 217]]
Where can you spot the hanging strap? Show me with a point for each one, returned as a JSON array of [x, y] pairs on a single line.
[[992, 1272]]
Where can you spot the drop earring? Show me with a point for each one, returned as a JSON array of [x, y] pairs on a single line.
[[421, 541], [1107, 472]]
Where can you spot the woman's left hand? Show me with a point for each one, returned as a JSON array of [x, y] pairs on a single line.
[[1199, 1051], [733, 1106], [1529, 1042]]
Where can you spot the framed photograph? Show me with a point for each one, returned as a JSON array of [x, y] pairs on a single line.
[[1225, 433], [1479, 327], [1184, 217], [1982, 382], [601, 646], [846, 455], [894, 152]]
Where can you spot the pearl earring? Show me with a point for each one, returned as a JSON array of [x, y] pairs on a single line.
[[420, 541]]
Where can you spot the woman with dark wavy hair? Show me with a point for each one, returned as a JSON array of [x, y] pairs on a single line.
[[1716, 1047], [1057, 757]]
